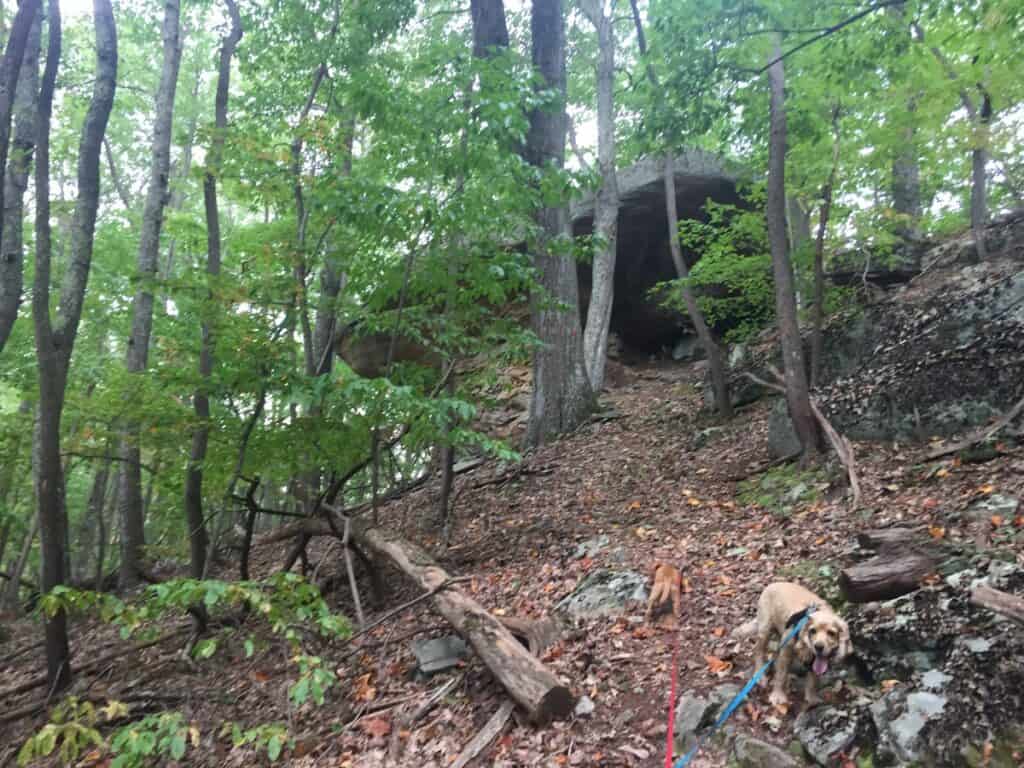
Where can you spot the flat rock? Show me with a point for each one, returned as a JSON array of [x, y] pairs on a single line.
[[824, 731], [439, 653], [605, 593], [753, 753]]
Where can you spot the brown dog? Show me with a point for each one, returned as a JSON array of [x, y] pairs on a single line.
[[668, 583], [824, 639]]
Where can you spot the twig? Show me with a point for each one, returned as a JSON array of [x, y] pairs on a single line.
[[842, 446], [351, 574], [979, 436], [404, 606]]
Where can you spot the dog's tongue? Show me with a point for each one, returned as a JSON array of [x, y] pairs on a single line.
[[820, 665]]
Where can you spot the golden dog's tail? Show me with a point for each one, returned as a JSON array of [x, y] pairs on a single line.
[[745, 630]]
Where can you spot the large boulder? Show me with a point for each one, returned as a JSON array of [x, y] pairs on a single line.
[[643, 258]]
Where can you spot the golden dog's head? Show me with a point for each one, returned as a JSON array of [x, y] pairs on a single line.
[[824, 639]]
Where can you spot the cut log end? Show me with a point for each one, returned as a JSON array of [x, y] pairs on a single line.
[[557, 704]]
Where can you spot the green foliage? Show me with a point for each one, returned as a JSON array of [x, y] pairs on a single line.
[[285, 602], [314, 680], [272, 737], [70, 731], [154, 736]]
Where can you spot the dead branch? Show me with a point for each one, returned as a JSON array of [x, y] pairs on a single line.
[[980, 436], [999, 602], [485, 735], [842, 446], [361, 618], [89, 666]]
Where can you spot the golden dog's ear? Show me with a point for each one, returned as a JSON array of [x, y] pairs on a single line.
[[845, 644]]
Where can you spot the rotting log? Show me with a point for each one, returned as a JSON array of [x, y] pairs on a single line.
[[532, 685], [999, 601], [882, 539], [885, 577]]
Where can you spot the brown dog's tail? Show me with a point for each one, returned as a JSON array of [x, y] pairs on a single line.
[[746, 630]]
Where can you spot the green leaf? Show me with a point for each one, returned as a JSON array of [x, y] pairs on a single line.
[[178, 745], [274, 746]]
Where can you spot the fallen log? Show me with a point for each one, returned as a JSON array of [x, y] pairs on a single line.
[[881, 539], [532, 685], [886, 576], [999, 601]]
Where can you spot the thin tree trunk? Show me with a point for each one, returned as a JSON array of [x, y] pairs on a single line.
[[797, 394], [133, 536], [198, 538], [10, 71], [15, 181], [101, 536], [716, 359], [606, 211], [490, 33], [9, 600], [55, 342], [906, 171], [819, 254], [562, 397], [91, 523]]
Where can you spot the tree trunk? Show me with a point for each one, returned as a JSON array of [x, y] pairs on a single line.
[[10, 71], [562, 397], [15, 181], [716, 360], [132, 521], [606, 213], [55, 343], [819, 254], [91, 524], [979, 180], [797, 394], [197, 535], [9, 600], [490, 34], [99, 577], [526, 679], [906, 171]]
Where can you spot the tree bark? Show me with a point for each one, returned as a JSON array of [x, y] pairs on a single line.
[[55, 343], [10, 70], [132, 521], [197, 535], [9, 599], [15, 182], [562, 397], [906, 171], [716, 360], [529, 682], [797, 393], [91, 525], [490, 34], [819, 254], [998, 601], [885, 577], [606, 211]]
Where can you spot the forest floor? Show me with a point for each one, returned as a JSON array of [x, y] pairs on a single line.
[[642, 474]]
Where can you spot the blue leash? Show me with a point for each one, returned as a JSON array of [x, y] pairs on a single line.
[[735, 703]]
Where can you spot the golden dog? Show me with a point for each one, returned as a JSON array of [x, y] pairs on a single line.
[[824, 639], [667, 587]]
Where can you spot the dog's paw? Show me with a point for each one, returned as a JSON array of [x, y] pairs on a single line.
[[778, 698]]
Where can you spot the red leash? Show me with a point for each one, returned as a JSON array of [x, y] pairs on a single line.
[[672, 705]]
